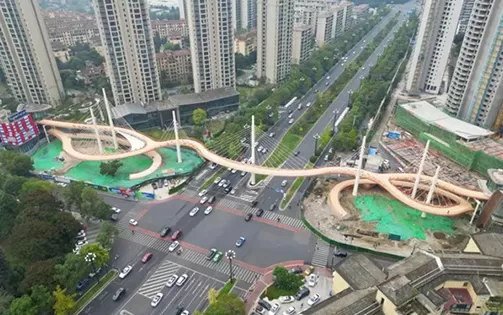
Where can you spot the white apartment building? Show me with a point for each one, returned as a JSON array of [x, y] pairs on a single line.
[[476, 91], [465, 15], [301, 43], [127, 36], [211, 44], [182, 7], [26, 54], [244, 14], [307, 11], [433, 45], [274, 34], [324, 28]]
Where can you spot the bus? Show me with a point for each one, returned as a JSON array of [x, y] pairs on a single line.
[[291, 102]]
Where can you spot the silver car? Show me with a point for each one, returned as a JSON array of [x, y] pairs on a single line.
[[195, 210], [156, 299]]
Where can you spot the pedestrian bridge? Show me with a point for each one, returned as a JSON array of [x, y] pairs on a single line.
[[391, 182]]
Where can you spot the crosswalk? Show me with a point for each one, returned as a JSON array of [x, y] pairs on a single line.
[[158, 280], [320, 256], [193, 256], [92, 232]]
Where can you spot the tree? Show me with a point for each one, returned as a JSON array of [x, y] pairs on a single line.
[[212, 296], [23, 306], [5, 301], [42, 299], [106, 235], [74, 269], [93, 206], [228, 304], [13, 184], [73, 195], [171, 46], [102, 254], [16, 163], [39, 273], [286, 281], [110, 168], [8, 213], [63, 303], [76, 63], [199, 116], [4, 269], [34, 187]]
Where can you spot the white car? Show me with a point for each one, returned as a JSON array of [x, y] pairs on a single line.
[[125, 271], [311, 281], [202, 193], [284, 183], [195, 210], [233, 191], [81, 243], [182, 280], [222, 182], [226, 184], [173, 246], [213, 166], [289, 311], [208, 210], [274, 309], [313, 300], [243, 173], [166, 183], [116, 210], [286, 299], [217, 180], [233, 170], [290, 121], [81, 233], [185, 312], [203, 200], [171, 281], [264, 150], [260, 149], [342, 64], [156, 299], [133, 222], [308, 104]]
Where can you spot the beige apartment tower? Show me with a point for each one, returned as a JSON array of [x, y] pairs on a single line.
[[211, 43], [301, 43], [274, 39], [26, 54], [127, 36]]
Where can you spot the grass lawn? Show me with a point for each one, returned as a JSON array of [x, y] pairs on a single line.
[[215, 125], [273, 292], [91, 293], [293, 189], [212, 178], [227, 288], [156, 134]]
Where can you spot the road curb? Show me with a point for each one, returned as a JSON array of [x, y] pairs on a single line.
[[98, 292]]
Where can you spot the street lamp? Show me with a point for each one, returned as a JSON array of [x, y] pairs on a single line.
[[316, 137], [91, 258], [230, 255]]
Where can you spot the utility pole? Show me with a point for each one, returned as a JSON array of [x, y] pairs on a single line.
[[252, 147], [230, 255], [178, 151]]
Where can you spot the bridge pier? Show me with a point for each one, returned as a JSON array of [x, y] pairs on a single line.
[[420, 170], [252, 147], [46, 134], [178, 151], [359, 169], [96, 131], [110, 120]]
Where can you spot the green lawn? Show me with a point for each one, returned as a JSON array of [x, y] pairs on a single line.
[[227, 288], [91, 293], [273, 292], [293, 189]]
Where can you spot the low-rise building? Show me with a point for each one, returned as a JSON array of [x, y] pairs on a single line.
[[360, 11], [170, 28], [70, 30], [176, 64], [245, 43], [301, 43]]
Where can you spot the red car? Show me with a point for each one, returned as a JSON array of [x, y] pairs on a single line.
[[146, 257], [176, 235]]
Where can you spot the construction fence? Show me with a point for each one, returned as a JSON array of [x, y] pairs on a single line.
[[446, 143]]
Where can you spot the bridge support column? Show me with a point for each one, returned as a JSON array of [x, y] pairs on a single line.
[[432, 189], [252, 147], [475, 211], [46, 135], [96, 131], [110, 120], [178, 151], [100, 110], [420, 170], [359, 169]]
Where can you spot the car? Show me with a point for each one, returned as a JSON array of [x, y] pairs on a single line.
[[361, 47], [125, 271], [185, 312], [260, 148], [222, 182], [211, 254], [81, 243], [81, 237], [202, 192], [146, 257], [296, 153], [308, 104], [309, 270], [116, 210], [272, 207], [313, 300], [256, 144], [302, 293], [114, 217], [233, 191], [259, 213], [82, 284], [331, 150], [165, 230], [341, 254], [296, 270], [194, 211], [248, 217], [243, 173], [289, 311], [264, 304], [217, 257], [81, 233], [154, 186], [212, 200], [228, 189], [183, 278], [176, 235], [284, 183], [311, 281], [272, 134], [286, 299], [326, 83], [213, 166], [133, 222], [363, 68], [166, 183], [254, 203], [217, 180], [264, 150], [227, 183], [342, 64], [290, 121], [315, 90], [173, 246], [208, 210], [233, 170], [290, 116], [240, 241], [156, 299], [119, 294], [179, 310], [259, 309], [274, 309], [325, 158], [171, 281], [203, 200]]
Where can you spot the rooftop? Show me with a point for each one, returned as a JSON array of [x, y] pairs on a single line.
[[168, 53], [207, 96], [360, 272], [130, 108], [434, 116], [398, 289], [361, 302], [490, 244]]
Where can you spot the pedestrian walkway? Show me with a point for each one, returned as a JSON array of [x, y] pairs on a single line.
[[158, 280], [92, 231], [320, 256], [190, 255]]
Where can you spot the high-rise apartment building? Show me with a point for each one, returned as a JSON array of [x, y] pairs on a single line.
[[465, 15], [324, 28], [274, 44], [26, 54], [433, 45], [182, 7], [476, 90], [301, 43], [127, 36], [211, 44], [244, 14]]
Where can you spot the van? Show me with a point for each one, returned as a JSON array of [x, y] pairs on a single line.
[[299, 107]]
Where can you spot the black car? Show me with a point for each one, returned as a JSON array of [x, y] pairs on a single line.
[[254, 203], [248, 216], [165, 231], [211, 254], [272, 207], [302, 293], [228, 189], [119, 294], [340, 254], [264, 304], [179, 310], [259, 213], [296, 270], [82, 284]]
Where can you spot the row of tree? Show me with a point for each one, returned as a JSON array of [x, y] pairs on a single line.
[[38, 271]]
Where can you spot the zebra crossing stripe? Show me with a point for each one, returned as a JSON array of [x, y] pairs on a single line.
[[320, 256], [158, 280]]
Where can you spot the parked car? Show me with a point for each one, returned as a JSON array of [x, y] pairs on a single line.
[[339, 253], [296, 270], [183, 278], [274, 309], [313, 300], [286, 299], [289, 311], [171, 281], [311, 281], [309, 270], [302, 293], [156, 299], [265, 304]]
